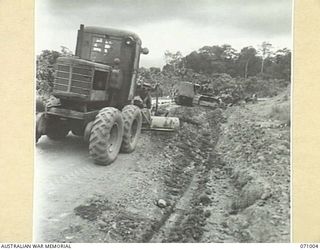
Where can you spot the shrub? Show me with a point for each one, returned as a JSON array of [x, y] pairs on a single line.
[[45, 69], [262, 87], [281, 112]]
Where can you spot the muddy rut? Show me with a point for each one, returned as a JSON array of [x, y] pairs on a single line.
[[175, 187]]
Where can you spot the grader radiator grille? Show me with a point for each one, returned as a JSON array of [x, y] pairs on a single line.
[[73, 78]]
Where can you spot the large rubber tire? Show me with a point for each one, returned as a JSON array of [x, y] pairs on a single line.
[[106, 136], [132, 120], [87, 132], [56, 129]]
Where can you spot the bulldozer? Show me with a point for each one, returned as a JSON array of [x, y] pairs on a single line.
[[93, 94], [184, 93]]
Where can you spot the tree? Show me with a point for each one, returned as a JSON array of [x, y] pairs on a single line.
[[173, 59], [66, 51], [281, 67], [265, 52], [209, 60], [229, 53], [45, 69], [213, 59], [247, 54], [194, 61], [230, 56]]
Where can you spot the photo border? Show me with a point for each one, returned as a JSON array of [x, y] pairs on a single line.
[[17, 124]]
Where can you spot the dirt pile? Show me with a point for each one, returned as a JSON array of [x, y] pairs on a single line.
[[192, 160], [255, 154]]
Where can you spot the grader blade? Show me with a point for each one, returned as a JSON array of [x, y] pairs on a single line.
[[164, 123], [159, 123]]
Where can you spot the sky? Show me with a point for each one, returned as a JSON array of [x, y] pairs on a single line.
[[174, 25]]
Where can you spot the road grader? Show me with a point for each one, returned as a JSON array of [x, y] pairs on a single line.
[[93, 94]]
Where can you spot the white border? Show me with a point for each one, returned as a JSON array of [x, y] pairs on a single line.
[[291, 119]]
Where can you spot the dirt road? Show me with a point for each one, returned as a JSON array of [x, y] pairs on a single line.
[[77, 201], [175, 187], [67, 178]]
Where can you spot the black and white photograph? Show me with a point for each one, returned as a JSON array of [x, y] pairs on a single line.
[[162, 121]]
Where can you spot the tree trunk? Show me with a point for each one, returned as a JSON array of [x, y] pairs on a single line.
[[246, 70], [262, 66]]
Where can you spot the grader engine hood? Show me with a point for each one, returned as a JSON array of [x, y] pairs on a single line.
[[81, 80]]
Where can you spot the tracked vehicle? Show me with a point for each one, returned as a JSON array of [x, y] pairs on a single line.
[[93, 92], [184, 93]]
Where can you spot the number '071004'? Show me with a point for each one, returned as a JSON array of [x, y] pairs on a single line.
[[308, 245]]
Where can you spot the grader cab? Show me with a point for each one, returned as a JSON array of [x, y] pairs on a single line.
[[93, 92]]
